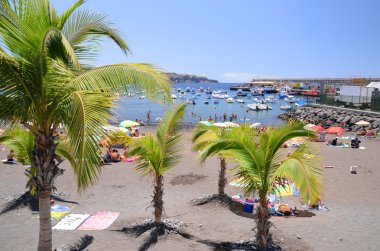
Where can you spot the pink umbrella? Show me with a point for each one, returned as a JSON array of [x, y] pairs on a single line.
[[335, 129], [318, 128]]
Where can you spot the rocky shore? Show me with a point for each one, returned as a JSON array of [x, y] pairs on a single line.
[[329, 116]]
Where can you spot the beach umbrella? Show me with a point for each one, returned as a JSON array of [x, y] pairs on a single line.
[[123, 129], [362, 123], [255, 125], [128, 123], [318, 128], [283, 190], [335, 129], [309, 127], [205, 122], [219, 124], [231, 124]]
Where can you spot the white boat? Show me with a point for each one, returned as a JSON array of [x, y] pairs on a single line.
[[240, 101], [285, 107], [253, 106], [230, 100], [219, 94], [182, 94], [290, 100], [141, 97], [173, 96], [263, 107], [259, 107], [191, 102]]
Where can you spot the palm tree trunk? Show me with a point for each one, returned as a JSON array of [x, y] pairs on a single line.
[[222, 176], [43, 156], [263, 225], [157, 198], [45, 239]]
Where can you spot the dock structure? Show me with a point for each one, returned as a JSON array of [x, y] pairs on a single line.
[[289, 81]]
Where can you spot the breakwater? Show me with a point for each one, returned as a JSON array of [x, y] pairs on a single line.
[[333, 116]]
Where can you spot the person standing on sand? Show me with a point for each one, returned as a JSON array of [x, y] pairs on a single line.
[[148, 116]]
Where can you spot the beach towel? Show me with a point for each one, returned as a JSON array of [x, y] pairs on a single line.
[[71, 222], [99, 221], [131, 159], [57, 211]]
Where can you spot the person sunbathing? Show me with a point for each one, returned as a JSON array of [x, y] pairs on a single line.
[[10, 156], [136, 133], [115, 156]]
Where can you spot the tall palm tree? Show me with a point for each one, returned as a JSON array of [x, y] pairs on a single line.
[[160, 154], [202, 136], [46, 80], [262, 162]]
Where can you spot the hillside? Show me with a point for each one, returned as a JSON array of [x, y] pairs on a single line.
[[186, 78]]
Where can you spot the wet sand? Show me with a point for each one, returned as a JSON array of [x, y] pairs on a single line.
[[351, 224]]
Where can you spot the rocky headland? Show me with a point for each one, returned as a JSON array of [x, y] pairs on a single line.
[[187, 78], [330, 116]]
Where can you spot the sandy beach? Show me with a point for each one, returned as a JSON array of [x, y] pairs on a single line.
[[350, 224]]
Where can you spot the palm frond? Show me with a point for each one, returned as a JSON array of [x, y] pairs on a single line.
[[84, 116], [157, 155], [304, 168], [123, 76], [21, 142]]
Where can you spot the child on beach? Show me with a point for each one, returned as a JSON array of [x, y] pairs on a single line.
[[10, 156]]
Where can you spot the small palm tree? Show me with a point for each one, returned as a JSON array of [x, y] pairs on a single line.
[[160, 154], [204, 135], [46, 80], [262, 162]]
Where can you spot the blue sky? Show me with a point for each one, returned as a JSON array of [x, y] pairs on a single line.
[[235, 41]]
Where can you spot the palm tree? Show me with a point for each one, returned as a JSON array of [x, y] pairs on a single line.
[[262, 162], [22, 142], [202, 136], [46, 80], [159, 155]]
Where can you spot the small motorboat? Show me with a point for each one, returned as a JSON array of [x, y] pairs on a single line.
[[173, 96], [240, 101], [206, 102], [191, 102], [141, 97], [285, 107], [230, 100]]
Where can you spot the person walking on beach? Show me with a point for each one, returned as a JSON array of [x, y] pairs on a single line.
[[148, 116]]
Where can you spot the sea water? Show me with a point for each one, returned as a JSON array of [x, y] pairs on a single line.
[[133, 108]]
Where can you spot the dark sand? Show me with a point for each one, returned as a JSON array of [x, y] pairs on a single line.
[[351, 224]]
